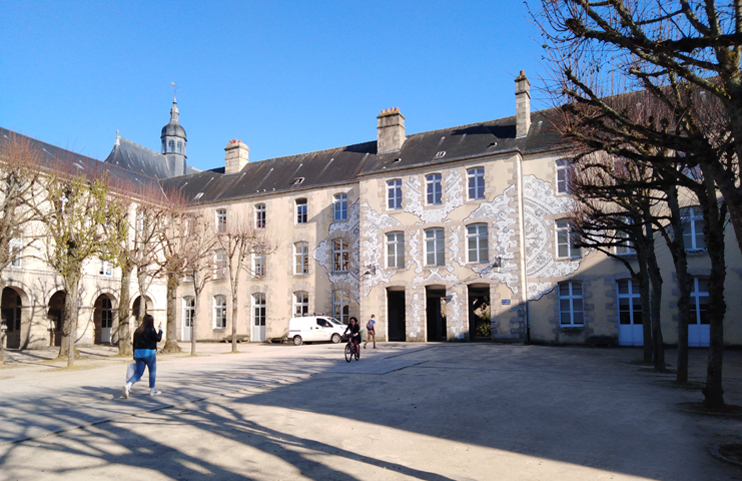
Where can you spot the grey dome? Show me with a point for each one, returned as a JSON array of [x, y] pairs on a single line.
[[173, 129]]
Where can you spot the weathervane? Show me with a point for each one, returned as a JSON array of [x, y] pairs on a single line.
[[175, 88]]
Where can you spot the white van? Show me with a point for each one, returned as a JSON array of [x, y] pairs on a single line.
[[315, 329]]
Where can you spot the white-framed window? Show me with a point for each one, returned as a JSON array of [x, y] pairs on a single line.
[[435, 247], [106, 313], [258, 262], [571, 309], [301, 258], [395, 249], [340, 255], [566, 240], [434, 189], [220, 264], [562, 176], [180, 147], [260, 216], [189, 310], [106, 269], [476, 183], [301, 303], [220, 312], [699, 300], [171, 146], [394, 194], [16, 252], [693, 228], [301, 211], [477, 239], [341, 306], [629, 302], [624, 247], [221, 220], [258, 309], [341, 207]]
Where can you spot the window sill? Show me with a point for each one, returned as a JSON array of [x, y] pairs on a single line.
[[695, 252], [219, 328], [572, 328]]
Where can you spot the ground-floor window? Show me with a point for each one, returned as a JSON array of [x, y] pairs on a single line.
[[220, 312], [301, 303], [258, 309], [340, 306], [189, 308], [106, 313], [571, 310], [699, 301], [629, 302]]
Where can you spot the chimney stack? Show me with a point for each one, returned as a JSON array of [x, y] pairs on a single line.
[[389, 131], [236, 156], [522, 105]]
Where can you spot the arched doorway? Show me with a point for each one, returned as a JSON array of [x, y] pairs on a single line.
[[11, 316], [54, 314], [135, 306], [103, 319]]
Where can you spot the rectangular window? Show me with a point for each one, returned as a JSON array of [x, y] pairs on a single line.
[[105, 268], [629, 302], [476, 183], [301, 303], [220, 264], [477, 237], [106, 313], [16, 252], [301, 258], [624, 245], [260, 216], [258, 309], [340, 255], [220, 312], [341, 306], [221, 220], [566, 240], [562, 174], [693, 228], [394, 194], [258, 262], [571, 309], [699, 301], [435, 247], [189, 309], [395, 249], [341, 207], [434, 189], [301, 211]]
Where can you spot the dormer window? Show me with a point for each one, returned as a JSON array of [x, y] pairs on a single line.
[[180, 147], [163, 146], [171, 146]]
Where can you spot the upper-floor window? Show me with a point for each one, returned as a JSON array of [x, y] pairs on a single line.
[[220, 264], [180, 147], [258, 262], [693, 228], [260, 216], [394, 194], [106, 269], [301, 303], [395, 249], [476, 183], [301, 258], [163, 146], [341, 207], [477, 239], [221, 220], [699, 301], [624, 245], [435, 247], [341, 306], [571, 309], [567, 240], [340, 255], [434, 189], [301, 211], [220, 312], [16, 252], [258, 309], [562, 176], [171, 146]]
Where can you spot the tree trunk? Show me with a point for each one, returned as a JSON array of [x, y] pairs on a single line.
[[646, 313], [125, 347], [656, 279], [171, 345], [70, 319], [142, 282], [235, 288], [194, 323], [2, 333]]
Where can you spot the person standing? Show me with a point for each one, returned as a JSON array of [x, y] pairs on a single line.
[[371, 331], [145, 354]]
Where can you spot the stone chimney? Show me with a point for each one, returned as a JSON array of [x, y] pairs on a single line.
[[522, 105], [389, 131], [236, 156]]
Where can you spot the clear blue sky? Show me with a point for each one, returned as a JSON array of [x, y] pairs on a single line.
[[285, 77]]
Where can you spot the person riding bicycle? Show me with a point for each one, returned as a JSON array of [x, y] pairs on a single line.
[[355, 333]]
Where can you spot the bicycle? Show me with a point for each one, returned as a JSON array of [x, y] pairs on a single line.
[[352, 351]]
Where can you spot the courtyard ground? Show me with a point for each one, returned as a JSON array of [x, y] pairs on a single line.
[[404, 411]]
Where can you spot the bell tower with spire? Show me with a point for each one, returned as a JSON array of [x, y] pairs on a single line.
[[174, 140]]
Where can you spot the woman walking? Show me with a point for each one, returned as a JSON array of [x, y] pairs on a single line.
[[145, 349]]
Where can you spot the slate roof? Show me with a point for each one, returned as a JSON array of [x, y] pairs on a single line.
[[345, 164], [136, 158]]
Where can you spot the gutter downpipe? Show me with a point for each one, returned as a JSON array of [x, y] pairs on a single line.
[[522, 240]]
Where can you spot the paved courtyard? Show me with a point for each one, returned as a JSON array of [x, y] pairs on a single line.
[[405, 411]]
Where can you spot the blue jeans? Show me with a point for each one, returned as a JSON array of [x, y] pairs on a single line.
[[151, 363]]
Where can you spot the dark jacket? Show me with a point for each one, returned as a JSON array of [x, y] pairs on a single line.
[[355, 331], [148, 339]]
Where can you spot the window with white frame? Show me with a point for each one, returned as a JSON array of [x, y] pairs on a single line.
[[106, 313], [260, 216], [571, 309], [171, 146], [629, 302], [341, 207], [258, 309], [476, 183], [220, 264], [258, 262], [434, 189], [477, 238], [699, 301], [435, 246], [341, 306], [221, 220], [624, 245], [394, 194], [106, 269], [301, 211], [301, 303], [340, 255], [566, 240], [220, 312], [395, 249], [301, 258], [180, 147], [189, 309], [16, 252], [562, 176], [693, 228]]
